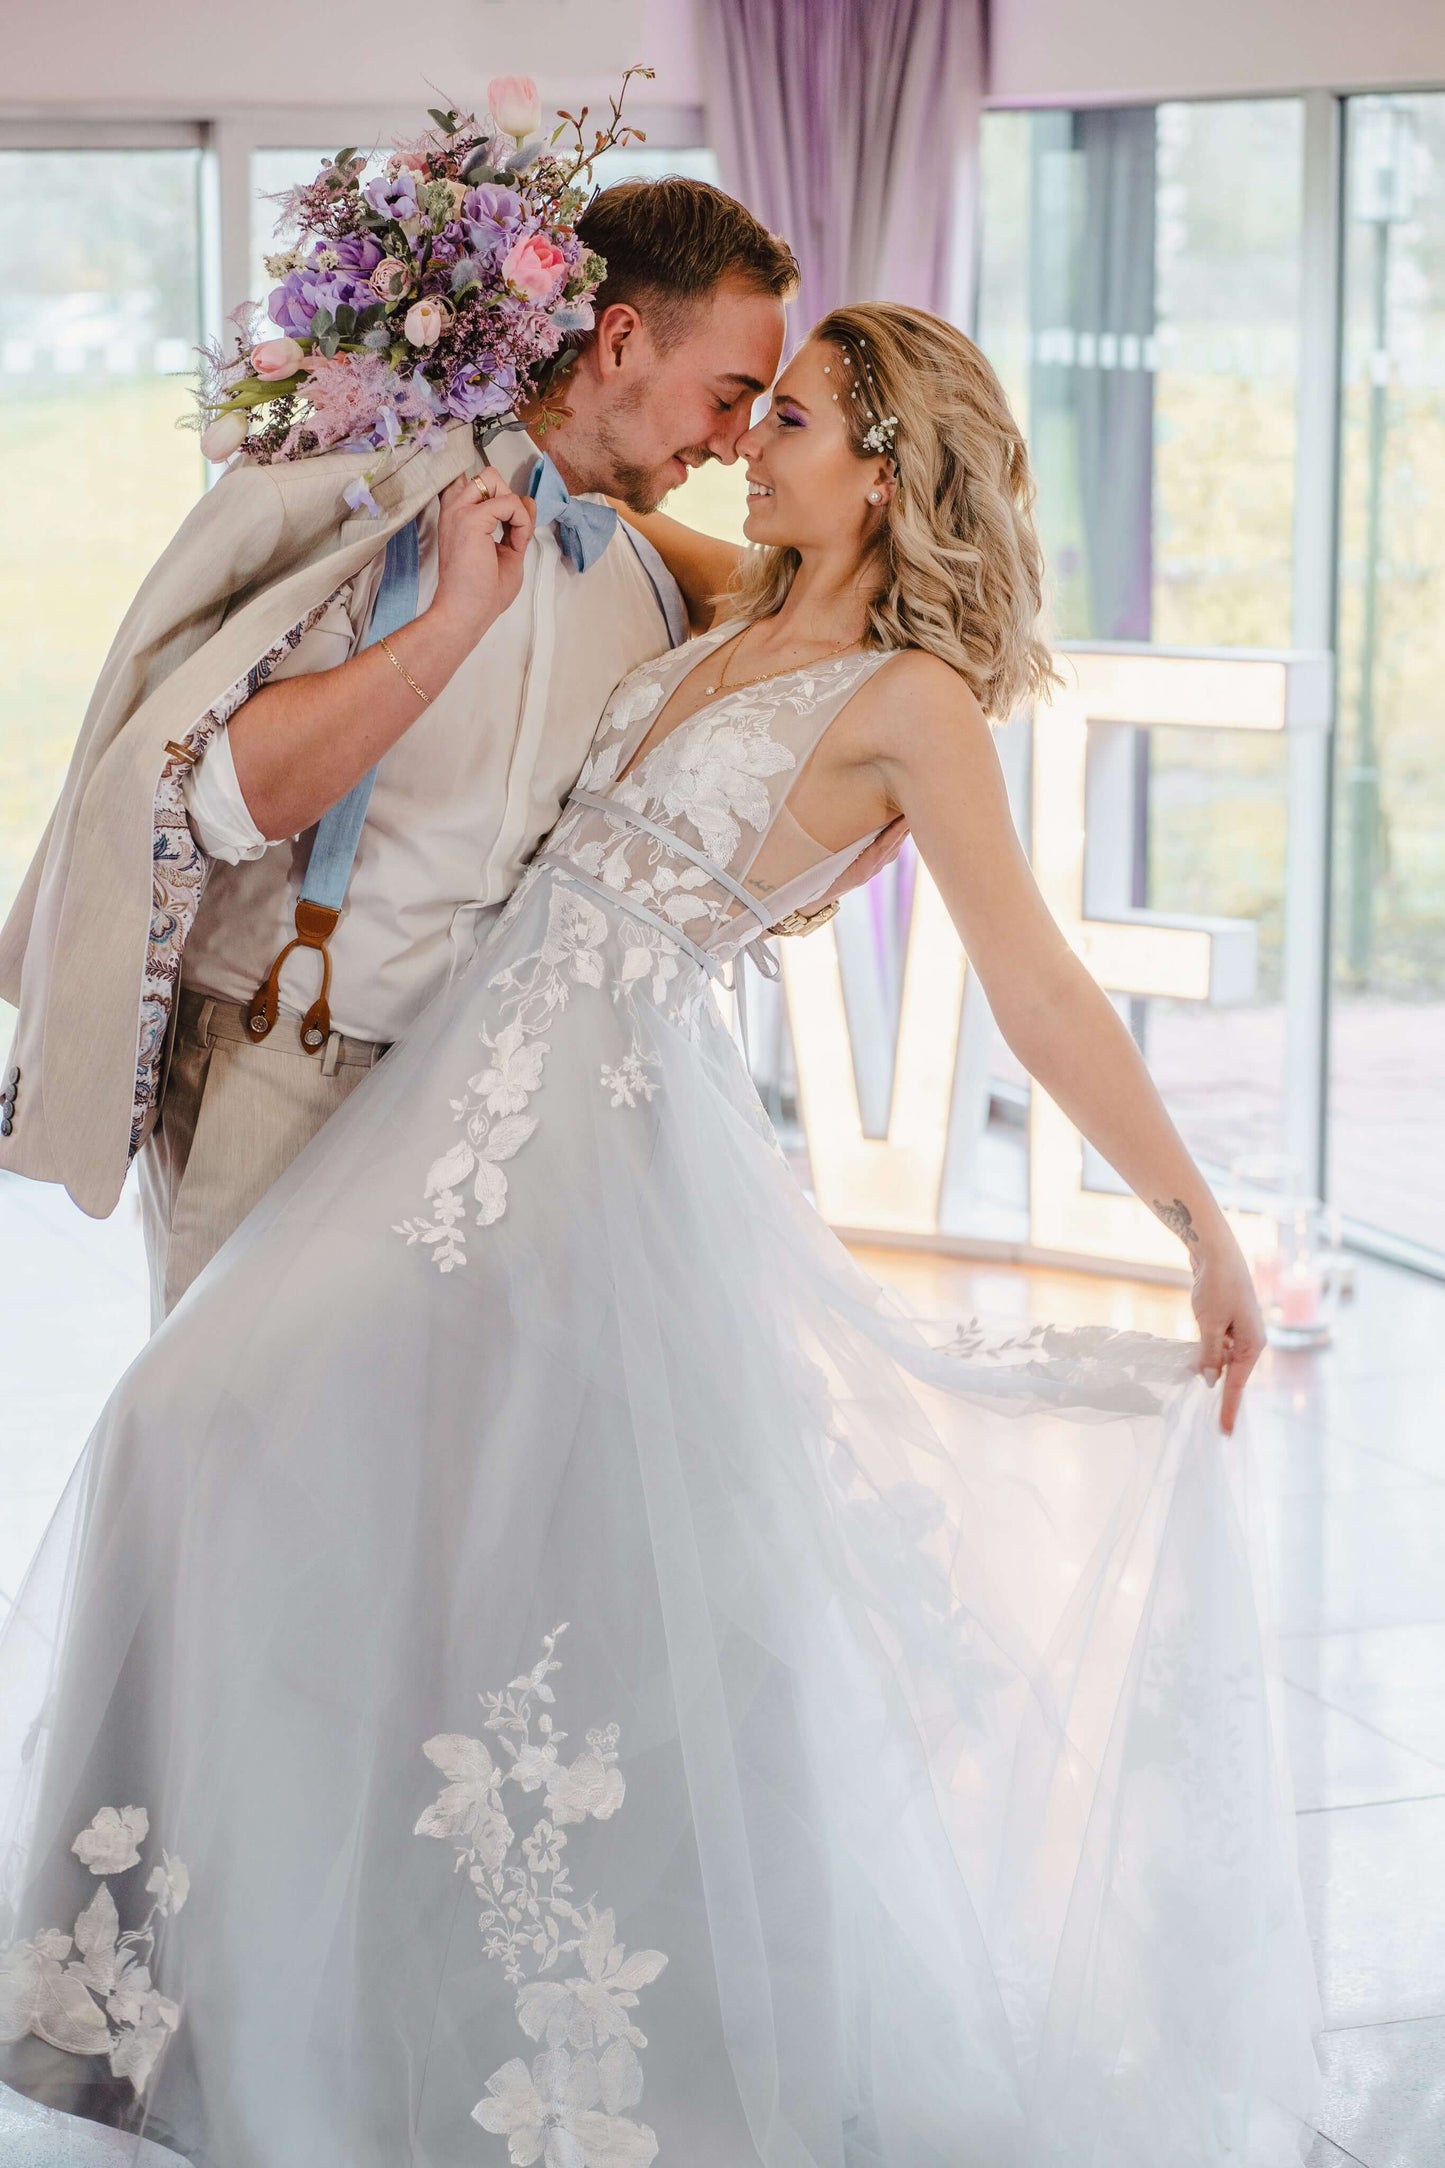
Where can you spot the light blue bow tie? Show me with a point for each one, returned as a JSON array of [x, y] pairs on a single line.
[[583, 530]]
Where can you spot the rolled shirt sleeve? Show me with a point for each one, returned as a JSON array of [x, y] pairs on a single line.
[[215, 805]]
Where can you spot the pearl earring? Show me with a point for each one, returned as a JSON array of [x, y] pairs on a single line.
[[875, 496]]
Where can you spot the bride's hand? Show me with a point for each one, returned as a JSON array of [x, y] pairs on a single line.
[[1231, 1329], [481, 550]]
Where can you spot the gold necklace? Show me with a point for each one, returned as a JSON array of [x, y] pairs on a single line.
[[742, 685]]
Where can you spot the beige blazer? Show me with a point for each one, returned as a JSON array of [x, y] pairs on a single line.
[[254, 557]]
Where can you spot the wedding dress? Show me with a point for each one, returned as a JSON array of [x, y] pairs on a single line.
[[542, 1660]]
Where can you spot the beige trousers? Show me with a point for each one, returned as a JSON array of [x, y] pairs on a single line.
[[234, 1115]]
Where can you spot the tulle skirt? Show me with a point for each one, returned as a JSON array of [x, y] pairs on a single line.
[[542, 1660]]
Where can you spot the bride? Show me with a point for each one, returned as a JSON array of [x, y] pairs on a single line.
[[543, 1660]]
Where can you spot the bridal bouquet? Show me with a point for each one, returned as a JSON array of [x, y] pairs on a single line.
[[449, 286]]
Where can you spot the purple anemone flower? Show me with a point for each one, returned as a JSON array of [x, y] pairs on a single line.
[[474, 397], [492, 216], [294, 303], [394, 198], [359, 253]]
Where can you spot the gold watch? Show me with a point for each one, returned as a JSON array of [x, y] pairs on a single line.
[[805, 921]]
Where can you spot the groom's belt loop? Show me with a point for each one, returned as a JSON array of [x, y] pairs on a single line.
[[338, 833]]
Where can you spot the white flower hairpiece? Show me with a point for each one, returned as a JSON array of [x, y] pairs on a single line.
[[882, 428]]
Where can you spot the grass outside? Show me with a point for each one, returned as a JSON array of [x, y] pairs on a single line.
[[96, 484]]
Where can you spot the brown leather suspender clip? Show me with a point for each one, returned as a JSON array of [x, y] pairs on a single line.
[[315, 925]]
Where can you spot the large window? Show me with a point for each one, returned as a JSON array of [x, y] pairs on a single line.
[[1142, 295], [99, 318], [1387, 1061], [1139, 295]]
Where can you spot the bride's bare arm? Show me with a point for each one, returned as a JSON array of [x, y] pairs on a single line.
[[703, 567], [939, 768]]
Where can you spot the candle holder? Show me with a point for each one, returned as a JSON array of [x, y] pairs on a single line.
[[1293, 1260]]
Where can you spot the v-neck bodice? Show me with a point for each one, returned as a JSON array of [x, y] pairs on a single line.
[[720, 779]]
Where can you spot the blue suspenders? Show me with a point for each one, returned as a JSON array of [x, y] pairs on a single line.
[[333, 849], [338, 833]]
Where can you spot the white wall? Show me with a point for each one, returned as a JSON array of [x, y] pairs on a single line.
[[182, 58], [1056, 52], [186, 59]]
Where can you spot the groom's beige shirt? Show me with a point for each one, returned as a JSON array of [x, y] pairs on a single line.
[[460, 802], [92, 949]]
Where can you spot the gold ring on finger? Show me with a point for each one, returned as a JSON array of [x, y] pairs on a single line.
[[481, 485]]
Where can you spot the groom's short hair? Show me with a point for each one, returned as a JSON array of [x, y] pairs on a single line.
[[669, 243]]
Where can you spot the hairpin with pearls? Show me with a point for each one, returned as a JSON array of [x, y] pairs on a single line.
[[882, 428]]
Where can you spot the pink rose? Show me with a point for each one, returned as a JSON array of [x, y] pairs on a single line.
[[535, 267], [391, 279], [515, 105], [407, 161], [426, 321], [275, 359]]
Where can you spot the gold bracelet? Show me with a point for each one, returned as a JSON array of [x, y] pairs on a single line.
[[806, 922], [401, 666]]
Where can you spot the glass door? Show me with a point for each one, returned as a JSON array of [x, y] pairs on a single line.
[[1386, 1099]]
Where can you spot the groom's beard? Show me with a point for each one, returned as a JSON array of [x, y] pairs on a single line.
[[642, 489]]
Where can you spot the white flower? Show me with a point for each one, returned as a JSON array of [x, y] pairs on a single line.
[[471, 1805], [630, 1077], [713, 773], [170, 1883], [548, 2114], [135, 2053], [514, 1073], [543, 1849], [112, 1842], [130, 1998], [635, 697], [592, 2011], [591, 1785], [575, 930], [223, 436], [38, 1995]]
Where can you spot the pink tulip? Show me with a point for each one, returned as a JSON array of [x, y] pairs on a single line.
[[534, 267], [226, 435], [275, 359], [515, 105]]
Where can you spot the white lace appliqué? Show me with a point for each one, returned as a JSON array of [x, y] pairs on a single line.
[[91, 1992], [577, 950], [566, 2107]]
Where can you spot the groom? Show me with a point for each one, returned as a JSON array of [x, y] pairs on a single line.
[[161, 899]]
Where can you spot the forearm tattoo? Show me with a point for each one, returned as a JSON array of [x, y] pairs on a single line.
[[1176, 1218]]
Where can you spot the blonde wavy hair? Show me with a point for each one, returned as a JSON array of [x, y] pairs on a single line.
[[958, 563]]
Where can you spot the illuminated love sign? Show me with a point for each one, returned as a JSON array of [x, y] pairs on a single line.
[[892, 1184]]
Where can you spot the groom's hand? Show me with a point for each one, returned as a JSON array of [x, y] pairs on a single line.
[[881, 852], [481, 548]]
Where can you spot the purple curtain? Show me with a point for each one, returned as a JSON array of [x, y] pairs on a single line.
[[851, 127]]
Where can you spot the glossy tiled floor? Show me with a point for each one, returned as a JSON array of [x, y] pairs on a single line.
[[1352, 1453]]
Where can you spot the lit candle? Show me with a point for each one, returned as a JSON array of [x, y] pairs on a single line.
[[1299, 1295]]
